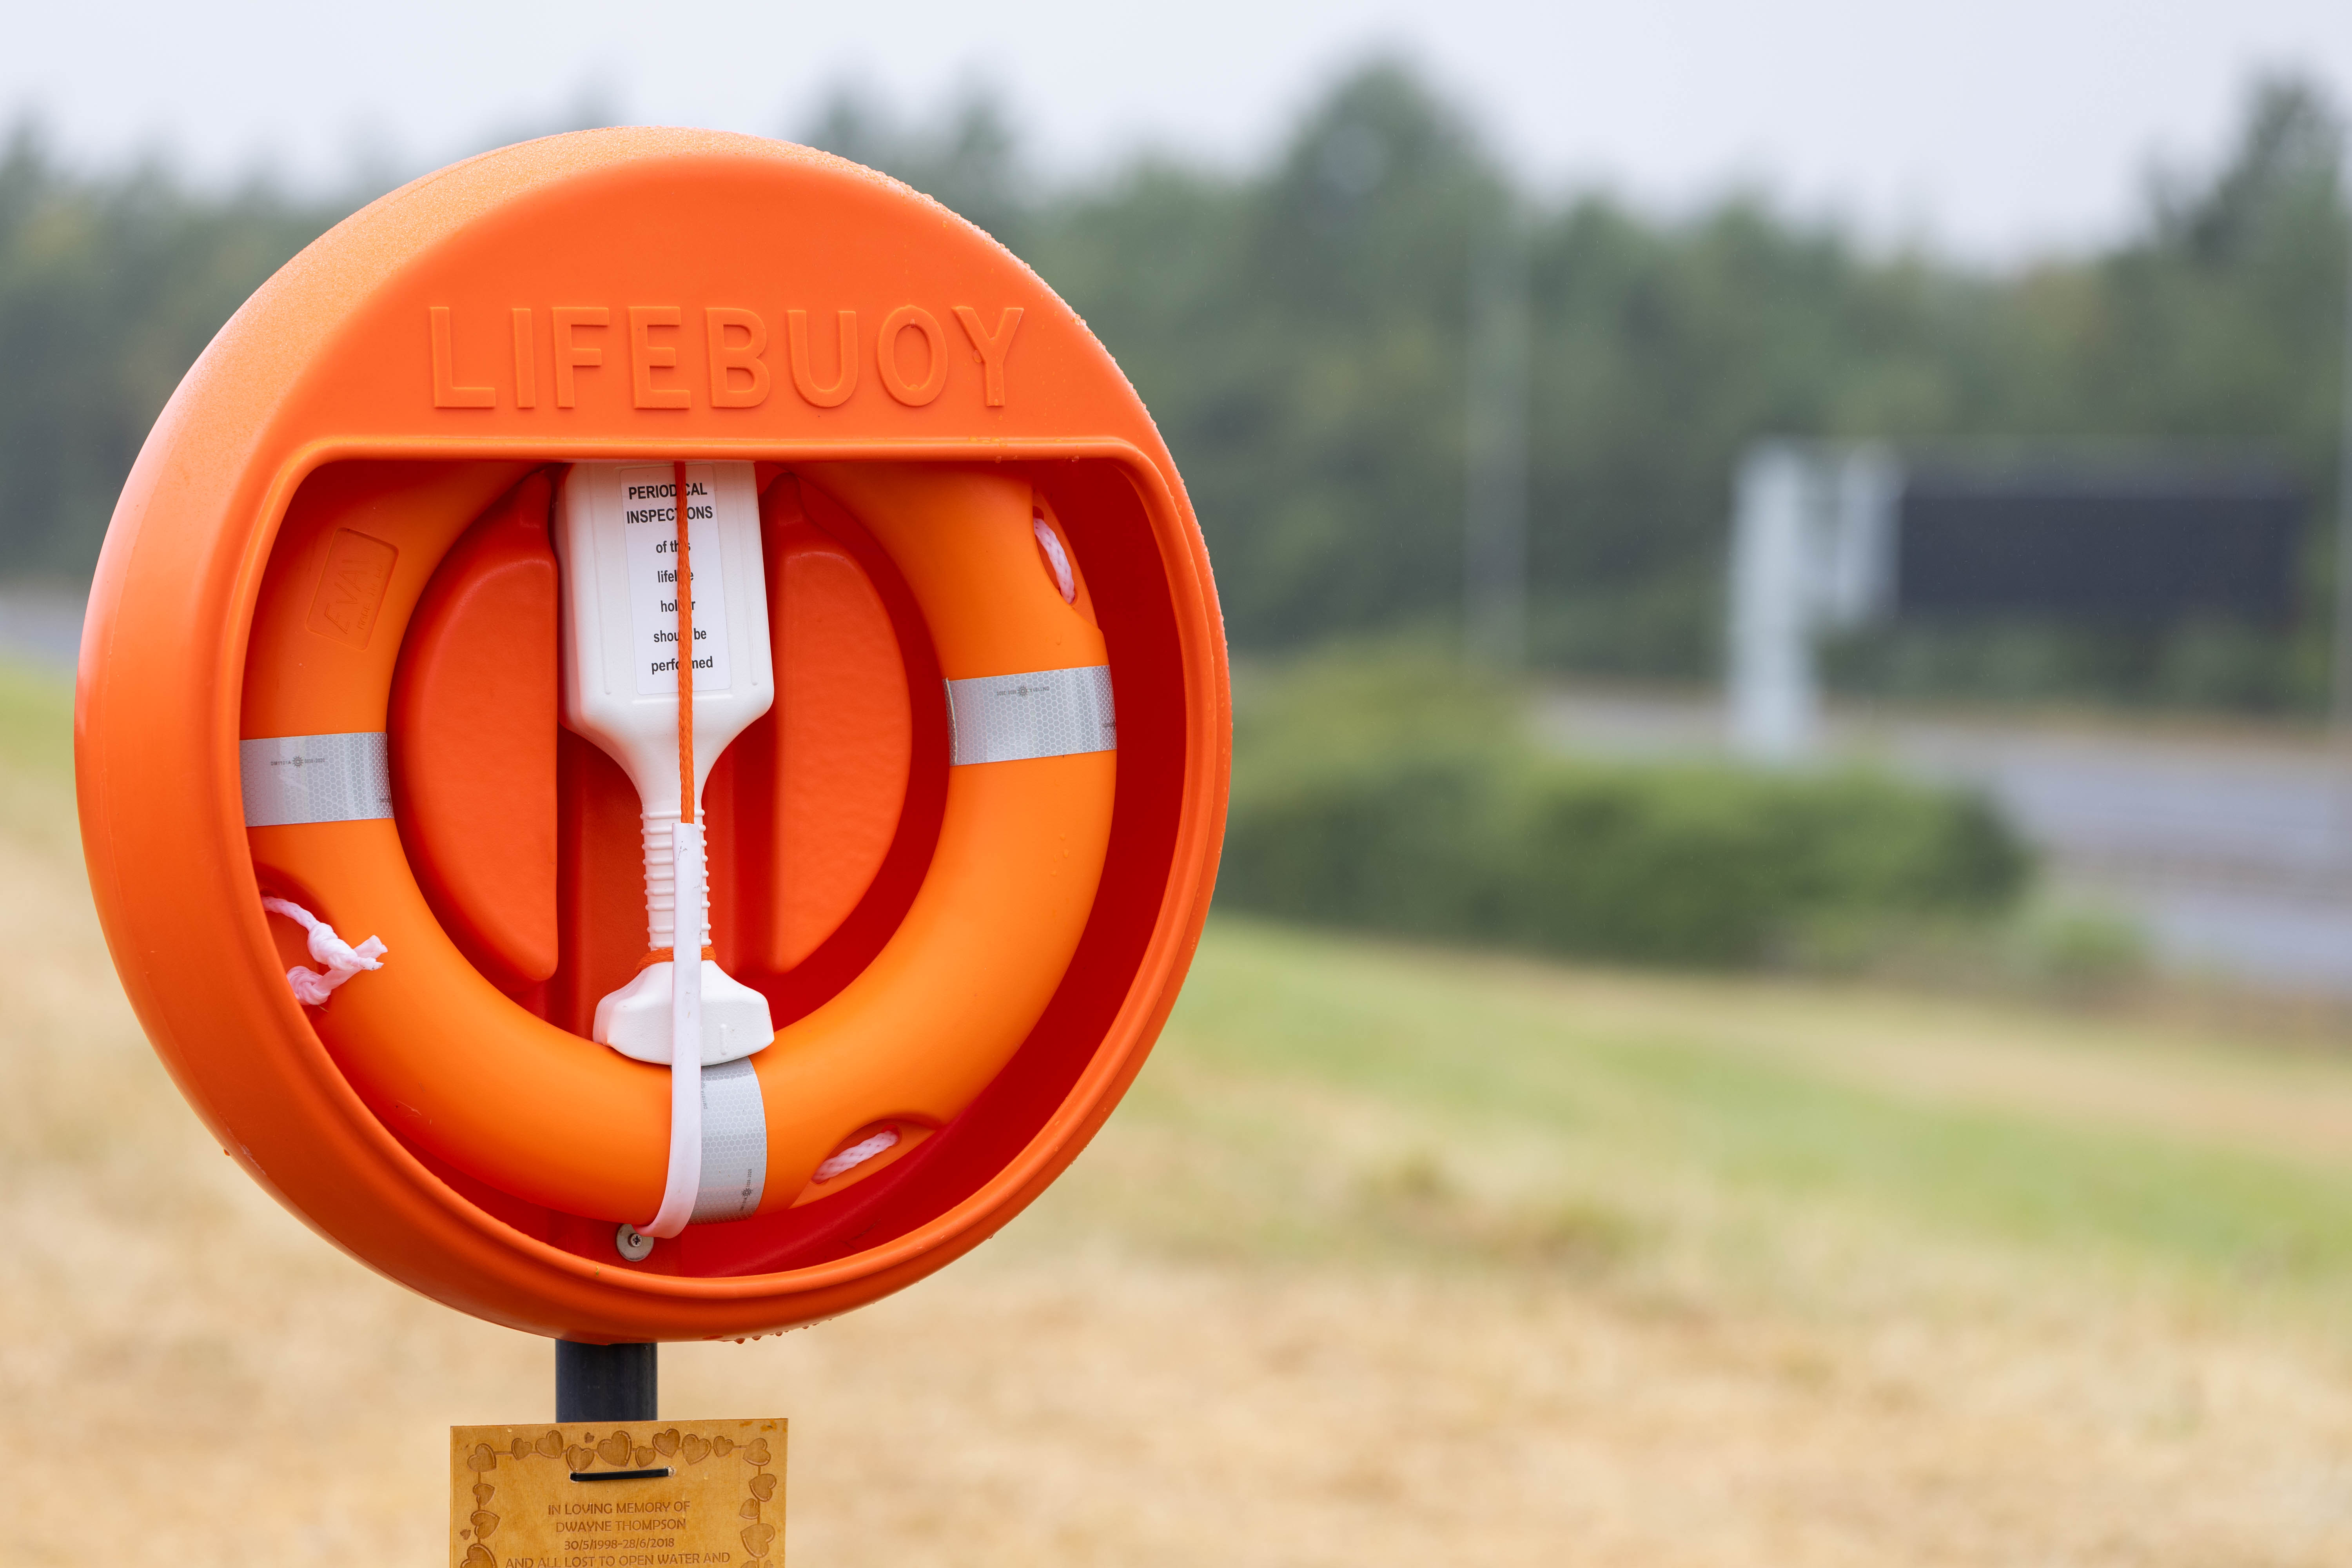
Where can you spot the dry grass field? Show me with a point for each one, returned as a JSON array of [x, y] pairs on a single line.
[[1392, 1258]]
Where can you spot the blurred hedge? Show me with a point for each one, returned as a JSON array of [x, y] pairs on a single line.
[[1393, 794]]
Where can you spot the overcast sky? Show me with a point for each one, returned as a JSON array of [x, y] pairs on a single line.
[[1997, 127]]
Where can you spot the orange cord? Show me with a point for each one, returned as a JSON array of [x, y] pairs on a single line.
[[664, 954], [685, 692], [685, 656]]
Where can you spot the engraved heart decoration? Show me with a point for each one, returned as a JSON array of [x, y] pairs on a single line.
[[722, 1447], [751, 1508], [521, 1448], [666, 1443], [550, 1444], [483, 1522], [482, 1490], [479, 1556], [756, 1451], [764, 1486], [614, 1449], [694, 1447], [483, 1457], [757, 1539], [579, 1455], [643, 1457]]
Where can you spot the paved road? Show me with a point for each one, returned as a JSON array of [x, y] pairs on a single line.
[[40, 625], [2230, 844]]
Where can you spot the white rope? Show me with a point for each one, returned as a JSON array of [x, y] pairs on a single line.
[[1057, 559], [857, 1153], [339, 959], [685, 1180]]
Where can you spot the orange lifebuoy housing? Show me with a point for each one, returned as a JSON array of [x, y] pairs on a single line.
[[338, 533]]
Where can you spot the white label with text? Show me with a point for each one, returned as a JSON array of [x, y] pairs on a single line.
[[650, 526]]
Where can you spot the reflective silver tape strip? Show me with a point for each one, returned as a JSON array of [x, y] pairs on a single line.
[[316, 778], [1042, 713], [734, 1143]]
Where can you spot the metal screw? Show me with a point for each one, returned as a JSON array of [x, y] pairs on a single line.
[[630, 1244]]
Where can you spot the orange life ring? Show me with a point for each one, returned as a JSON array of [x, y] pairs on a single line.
[[331, 534], [513, 1100]]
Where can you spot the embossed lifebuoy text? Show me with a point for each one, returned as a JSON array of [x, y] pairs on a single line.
[[912, 355]]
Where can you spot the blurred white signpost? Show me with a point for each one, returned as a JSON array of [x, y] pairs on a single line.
[[1812, 541]]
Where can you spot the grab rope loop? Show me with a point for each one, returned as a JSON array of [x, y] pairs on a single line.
[[339, 960]]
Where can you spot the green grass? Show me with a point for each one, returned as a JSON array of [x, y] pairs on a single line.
[[1318, 1093], [36, 720], [1946, 1167]]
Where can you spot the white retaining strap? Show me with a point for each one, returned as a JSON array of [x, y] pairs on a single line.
[[290, 779], [682, 1193], [1038, 713]]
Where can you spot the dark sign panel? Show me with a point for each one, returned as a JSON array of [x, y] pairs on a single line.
[[2097, 544]]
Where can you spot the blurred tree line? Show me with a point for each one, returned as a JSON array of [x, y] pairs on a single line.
[[110, 287], [1298, 329]]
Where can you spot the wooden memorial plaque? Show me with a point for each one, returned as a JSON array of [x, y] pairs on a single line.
[[650, 1494]]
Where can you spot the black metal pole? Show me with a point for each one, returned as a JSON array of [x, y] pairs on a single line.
[[607, 1383]]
